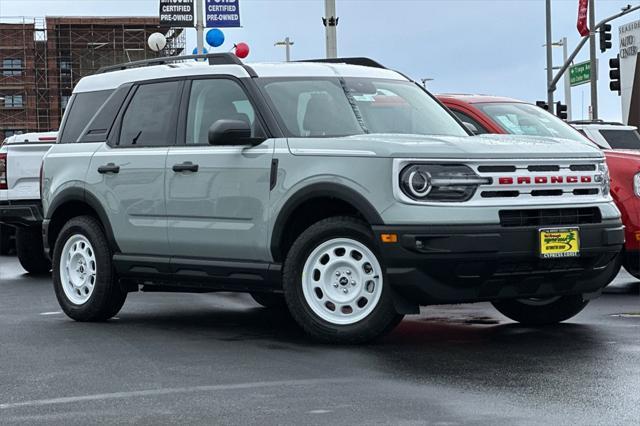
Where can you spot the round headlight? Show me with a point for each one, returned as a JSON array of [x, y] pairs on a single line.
[[419, 183]]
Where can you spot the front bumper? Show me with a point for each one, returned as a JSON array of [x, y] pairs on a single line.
[[460, 264], [21, 213]]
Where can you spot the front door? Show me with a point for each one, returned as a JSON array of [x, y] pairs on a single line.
[[127, 175], [217, 196]]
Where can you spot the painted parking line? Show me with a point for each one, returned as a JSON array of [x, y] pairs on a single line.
[[51, 313], [170, 391]]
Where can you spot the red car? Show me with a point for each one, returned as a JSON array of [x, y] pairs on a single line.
[[490, 114]]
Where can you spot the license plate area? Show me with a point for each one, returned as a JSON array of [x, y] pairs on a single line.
[[559, 242]]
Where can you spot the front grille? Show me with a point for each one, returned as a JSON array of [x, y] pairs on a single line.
[[550, 217]]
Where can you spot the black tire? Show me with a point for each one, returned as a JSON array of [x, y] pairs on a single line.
[[108, 296], [5, 239], [383, 317], [531, 313], [31, 251], [270, 300]]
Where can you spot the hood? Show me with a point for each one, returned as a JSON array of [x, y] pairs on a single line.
[[467, 147]]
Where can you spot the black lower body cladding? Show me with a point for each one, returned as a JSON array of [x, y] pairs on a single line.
[[461, 264]]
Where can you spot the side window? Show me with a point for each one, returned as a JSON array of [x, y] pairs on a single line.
[[467, 119], [83, 108], [217, 99], [150, 118]]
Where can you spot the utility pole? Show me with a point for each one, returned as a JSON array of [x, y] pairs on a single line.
[[549, 57], [287, 43], [567, 80], [199, 27], [330, 22], [592, 60]]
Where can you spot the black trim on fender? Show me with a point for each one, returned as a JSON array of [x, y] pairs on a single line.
[[76, 194], [214, 274], [319, 190]]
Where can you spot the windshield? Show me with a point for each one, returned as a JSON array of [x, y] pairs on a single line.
[[526, 119], [325, 107], [622, 139]]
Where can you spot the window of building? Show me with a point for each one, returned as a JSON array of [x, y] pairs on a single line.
[[11, 67], [151, 115], [13, 101], [65, 65]]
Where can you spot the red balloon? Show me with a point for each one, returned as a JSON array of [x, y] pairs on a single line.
[[242, 50]]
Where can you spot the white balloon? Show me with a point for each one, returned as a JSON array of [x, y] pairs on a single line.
[[157, 42]]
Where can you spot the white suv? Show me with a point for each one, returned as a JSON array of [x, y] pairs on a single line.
[[609, 135]]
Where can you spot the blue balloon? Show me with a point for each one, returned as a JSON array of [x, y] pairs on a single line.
[[215, 37], [195, 52]]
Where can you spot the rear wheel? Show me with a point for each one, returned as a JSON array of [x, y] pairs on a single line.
[[31, 251], [541, 311], [85, 284], [334, 283], [5, 239]]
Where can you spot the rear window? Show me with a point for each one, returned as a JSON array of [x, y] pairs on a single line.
[[622, 139], [83, 108]]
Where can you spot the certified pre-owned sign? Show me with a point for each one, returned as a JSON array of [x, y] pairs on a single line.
[[177, 13]]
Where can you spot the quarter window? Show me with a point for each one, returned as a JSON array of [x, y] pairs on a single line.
[[83, 108], [150, 119], [217, 99]]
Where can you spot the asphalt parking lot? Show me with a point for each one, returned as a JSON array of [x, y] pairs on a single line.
[[221, 359]]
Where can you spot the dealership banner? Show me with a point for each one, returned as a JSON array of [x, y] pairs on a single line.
[[177, 13], [222, 13], [630, 72], [583, 9]]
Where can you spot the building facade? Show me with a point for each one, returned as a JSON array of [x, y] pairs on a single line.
[[41, 60]]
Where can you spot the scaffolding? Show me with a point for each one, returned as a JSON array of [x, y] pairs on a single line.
[[42, 59]]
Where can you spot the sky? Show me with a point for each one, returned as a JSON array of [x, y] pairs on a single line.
[[467, 46]]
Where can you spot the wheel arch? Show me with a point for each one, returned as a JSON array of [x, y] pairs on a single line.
[[344, 200], [71, 203]]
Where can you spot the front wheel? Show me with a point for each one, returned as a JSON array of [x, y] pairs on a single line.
[[85, 284], [541, 311], [334, 284]]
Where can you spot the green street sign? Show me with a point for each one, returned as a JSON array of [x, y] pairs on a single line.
[[580, 73]]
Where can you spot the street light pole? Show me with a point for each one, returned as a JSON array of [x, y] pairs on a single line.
[[592, 60], [549, 57], [330, 22], [567, 80]]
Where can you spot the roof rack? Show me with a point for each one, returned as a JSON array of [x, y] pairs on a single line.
[[214, 59], [365, 62]]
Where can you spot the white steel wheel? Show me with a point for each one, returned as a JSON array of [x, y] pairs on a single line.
[[78, 269], [342, 281]]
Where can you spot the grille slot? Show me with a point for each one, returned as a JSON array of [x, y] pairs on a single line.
[[500, 194], [546, 192], [496, 169], [550, 217], [587, 191], [543, 168], [582, 167]]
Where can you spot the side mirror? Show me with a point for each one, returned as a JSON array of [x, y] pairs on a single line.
[[471, 127], [231, 132]]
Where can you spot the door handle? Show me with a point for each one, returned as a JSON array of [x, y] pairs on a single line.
[[187, 166], [108, 168]]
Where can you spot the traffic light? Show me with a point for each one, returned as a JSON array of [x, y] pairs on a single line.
[[543, 105], [614, 75], [605, 38], [561, 110]]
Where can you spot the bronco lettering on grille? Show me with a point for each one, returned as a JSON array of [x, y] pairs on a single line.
[[540, 180]]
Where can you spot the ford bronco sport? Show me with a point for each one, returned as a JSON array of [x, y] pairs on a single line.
[[339, 189]]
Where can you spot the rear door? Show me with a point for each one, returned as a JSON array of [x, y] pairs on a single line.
[[217, 208], [127, 174]]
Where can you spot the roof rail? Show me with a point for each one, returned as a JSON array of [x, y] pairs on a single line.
[[612, 123], [214, 59], [365, 62]]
